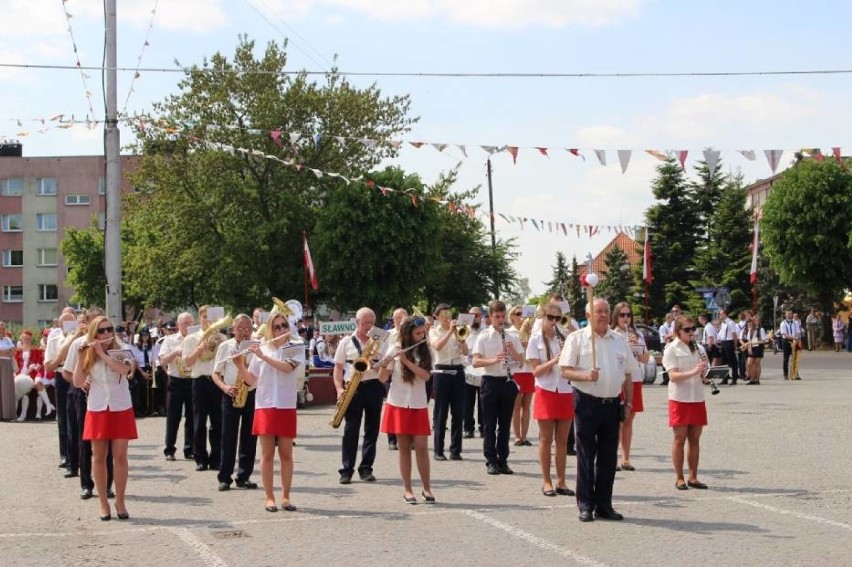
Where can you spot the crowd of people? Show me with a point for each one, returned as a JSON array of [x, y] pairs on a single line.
[[235, 383]]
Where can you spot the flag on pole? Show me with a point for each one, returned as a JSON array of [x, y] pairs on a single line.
[[646, 262], [753, 274], [309, 264]]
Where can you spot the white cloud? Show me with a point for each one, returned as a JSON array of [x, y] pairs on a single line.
[[12, 58], [483, 13]]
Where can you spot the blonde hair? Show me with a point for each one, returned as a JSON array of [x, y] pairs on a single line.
[[268, 332], [92, 336]]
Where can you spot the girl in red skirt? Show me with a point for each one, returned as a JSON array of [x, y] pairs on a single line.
[[554, 399], [274, 368], [109, 410], [687, 412], [406, 413], [622, 324], [523, 377]]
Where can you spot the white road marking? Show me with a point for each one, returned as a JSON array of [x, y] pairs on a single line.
[[207, 555], [801, 516]]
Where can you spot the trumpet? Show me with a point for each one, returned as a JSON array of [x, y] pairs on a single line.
[[462, 333]]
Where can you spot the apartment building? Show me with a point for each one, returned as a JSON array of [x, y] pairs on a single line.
[[40, 198]]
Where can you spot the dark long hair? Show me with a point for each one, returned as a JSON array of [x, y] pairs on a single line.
[[424, 354]]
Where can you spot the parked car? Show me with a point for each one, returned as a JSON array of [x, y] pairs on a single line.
[[651, 336]]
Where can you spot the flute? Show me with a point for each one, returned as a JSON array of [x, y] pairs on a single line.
[[87, 345], [387, 359], [246, 351]]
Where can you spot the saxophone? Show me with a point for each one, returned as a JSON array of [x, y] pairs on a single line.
[[241, 396], [360, 366]]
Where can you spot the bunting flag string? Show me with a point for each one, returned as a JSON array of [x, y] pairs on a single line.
[[145, 45], [83, 74]]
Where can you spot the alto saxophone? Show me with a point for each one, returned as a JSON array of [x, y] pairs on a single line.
[[242, 392], [360, 365]]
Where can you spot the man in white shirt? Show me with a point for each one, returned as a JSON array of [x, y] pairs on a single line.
[[599, 367], [448, 354], [53, 366], [473, 378], [494, 352], [790, 332], [728, 335], [179, 399]]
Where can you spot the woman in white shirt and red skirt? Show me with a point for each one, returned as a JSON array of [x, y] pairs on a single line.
[[110, 420], [406, 411], [687, 410], [275, 368]]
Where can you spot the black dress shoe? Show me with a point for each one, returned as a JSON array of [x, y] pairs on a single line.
[[493, 469], [200, 467], [586, 516], [393, 446], [564, 491], [223, 486], [455, 457], [170, 458], [504, 469], [468, 435], [86, 494], [440, 458], [608, 515], [345, 478], [247, 484], [123, 516], [110, 493], [188, 456], [572, 452], [71, 474], [367, 476], [106, 517], [63, 464]]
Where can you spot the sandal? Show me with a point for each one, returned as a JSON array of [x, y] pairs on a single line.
[[564, 491], [546, 492], [696, 484], [627, 467]]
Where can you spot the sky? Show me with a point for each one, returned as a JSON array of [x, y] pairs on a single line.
[[726, 113]]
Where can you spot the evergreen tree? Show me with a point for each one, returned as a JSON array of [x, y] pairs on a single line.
[[672, 222], [707, 192], [560, 283], [615, 278], [576, 294]]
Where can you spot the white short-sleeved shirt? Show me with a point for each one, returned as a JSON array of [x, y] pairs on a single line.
[[728, 330], [450, 354], [401, 393], [614, 361], [471, 342], [638, 373], [171, 344], [665, 330], [678, 357], [347, 352], [553, 380], [710, 332], [276, 388], [107, 389], [73, 355], [54, 345], [201, 367], [224, 364], [488, 344]]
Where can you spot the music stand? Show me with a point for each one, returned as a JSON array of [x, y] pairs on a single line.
[[716, 373]]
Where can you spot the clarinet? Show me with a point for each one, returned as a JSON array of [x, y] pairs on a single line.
[[508, 363], [703, 355]]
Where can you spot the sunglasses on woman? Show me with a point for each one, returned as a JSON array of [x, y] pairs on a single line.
[[625, 315], [105, 330], [688, 329], [553, 318], [280, 327]]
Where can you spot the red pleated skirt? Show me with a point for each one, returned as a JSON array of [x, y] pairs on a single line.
[[405, 421], [274, 421], [525, 382], [687, 413], [548, 406], [105, 425]]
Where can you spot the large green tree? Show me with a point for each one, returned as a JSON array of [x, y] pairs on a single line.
[[212, 223], [560, 280], [83, 249], [806, 229], [576, 293], [616, 278]]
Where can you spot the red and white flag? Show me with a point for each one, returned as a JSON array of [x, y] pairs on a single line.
[[309, 264], [646, 261], [753, 274]]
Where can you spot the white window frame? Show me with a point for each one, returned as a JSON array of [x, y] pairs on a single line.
[[7, 222], [9, 298], [47, 186], [5, 187], [40, 221], [42, 293], [7, 258], [77, 200], [40, 257]]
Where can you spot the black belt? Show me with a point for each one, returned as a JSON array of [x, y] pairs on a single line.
[[596, 399], [180, 377], [505, 378], [448, 366]]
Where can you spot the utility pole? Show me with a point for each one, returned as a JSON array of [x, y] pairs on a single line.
[[491, 217], [112, 235]]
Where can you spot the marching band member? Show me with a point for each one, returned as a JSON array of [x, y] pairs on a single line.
[[493, 351], [449, 351], [237, 423], [554, 404], [206, 397], [397, 318], [753, 338], [30, 361], [473, 380], [687, 410], [523, 377], [622, 324], [790, 333], [54, 356], [275, 404], [110, 421], [179, 398], [599, 372], [727, 344], [406, 412], [367, 403]]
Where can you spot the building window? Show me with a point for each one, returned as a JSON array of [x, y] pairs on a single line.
[[45, 323], [13, 294], [46, 186], [46, 257], [46, 222], [101, 186], [11, 187], [13, 258], [48, 292], [12, 223], [72, 200]]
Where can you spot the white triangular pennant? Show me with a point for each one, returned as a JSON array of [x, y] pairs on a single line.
[[748, 154], [773, 157], [624, 159], [601, 156], [711, 158]]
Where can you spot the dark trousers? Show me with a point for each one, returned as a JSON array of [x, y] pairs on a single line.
[[472, 408], [236, 425], [179, 403], [72, 432], [139, 394], [84, 448], [741, 358], [62, 388], [729, 358], [449, 398], [596, 429], [787, 345], [497, 396], [366, 404], [158, 394], [207, 404]]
